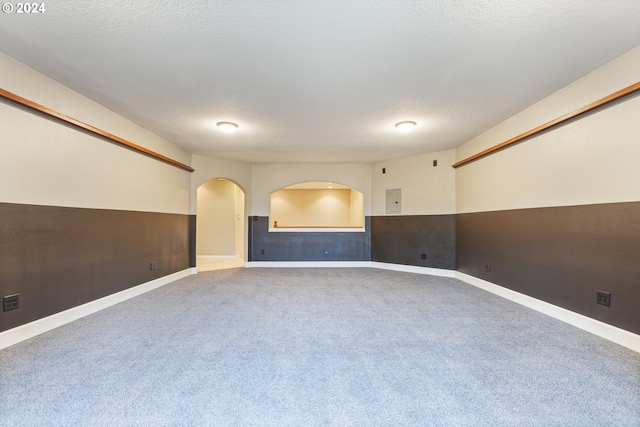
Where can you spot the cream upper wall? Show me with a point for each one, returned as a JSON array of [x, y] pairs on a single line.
[[269, 177], [24, 81], [426, 190], [45, 163], [207, 168], [312, 208], [240, 224], [216, 218], [356, 209], [591, 160]]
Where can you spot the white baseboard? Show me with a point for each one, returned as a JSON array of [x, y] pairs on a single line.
[[37, 327], [596, 327], [371, 264], [305, 264], [413, 269]]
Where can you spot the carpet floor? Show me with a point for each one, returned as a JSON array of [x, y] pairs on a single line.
[[318, 347]]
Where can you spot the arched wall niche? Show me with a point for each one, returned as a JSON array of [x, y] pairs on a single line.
[[316, 205]]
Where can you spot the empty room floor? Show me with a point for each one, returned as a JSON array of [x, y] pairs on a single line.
[[318, 347]]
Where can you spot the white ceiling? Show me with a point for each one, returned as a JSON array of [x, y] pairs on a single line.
[[320, 81]]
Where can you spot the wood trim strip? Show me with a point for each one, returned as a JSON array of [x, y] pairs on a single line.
[[91, 129], [587, 108]]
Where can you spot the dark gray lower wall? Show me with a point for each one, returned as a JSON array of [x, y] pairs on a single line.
[[561, 255], [58, 258], [306, 246], [403, 239], [192, 241]]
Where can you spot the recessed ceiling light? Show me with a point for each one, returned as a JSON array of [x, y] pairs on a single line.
[[406, 126], [227, 127]]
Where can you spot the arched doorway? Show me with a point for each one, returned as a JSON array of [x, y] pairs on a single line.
[[220, 225]]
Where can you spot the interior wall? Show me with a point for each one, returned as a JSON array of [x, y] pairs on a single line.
[[207, 168], [424, 234], [216, 218], [82, 217], [357, 208], [561, 255], [57, 258], [269, 177], [311, 207], [555, 216], [240, 173], [426, 189], [417, 240], [307, 246], [239, 218], [46, 163], [590, 160]]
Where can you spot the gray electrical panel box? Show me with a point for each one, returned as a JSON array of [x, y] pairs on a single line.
[[394, 201]]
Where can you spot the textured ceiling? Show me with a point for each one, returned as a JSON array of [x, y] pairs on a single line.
[[313, 81]]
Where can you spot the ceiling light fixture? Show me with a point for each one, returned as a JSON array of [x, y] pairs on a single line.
[[227, 127], [406, 126]]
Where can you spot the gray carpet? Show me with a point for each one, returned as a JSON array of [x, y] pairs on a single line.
[[318, 347]]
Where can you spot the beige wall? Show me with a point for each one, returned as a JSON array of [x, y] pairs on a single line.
[[356, 209], [269, 177], [591, 160], [426, 190], [240, 221], [45, 163], [207, 168], [216, 218], [313, 208]]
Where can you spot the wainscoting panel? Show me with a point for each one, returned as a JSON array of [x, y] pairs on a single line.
[[306, 246], [57, 258], [561, 255], [404, 239]]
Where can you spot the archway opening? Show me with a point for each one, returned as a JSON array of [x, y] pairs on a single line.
[[220, 225], [317, 205]]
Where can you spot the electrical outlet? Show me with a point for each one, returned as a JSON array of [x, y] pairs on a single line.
[[487, 268], [603, 298], [261, 251], [423, 256], [10, 302], [152, 265], [327, 251]]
